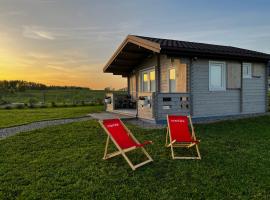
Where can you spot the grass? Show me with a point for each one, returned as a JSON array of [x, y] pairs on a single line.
[[64, 162], [67, 96], [21, 116]]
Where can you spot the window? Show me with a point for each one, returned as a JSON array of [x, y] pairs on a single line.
[[148, 81], [217, 73], [247, 73], [152, 81], [145, 82], [172, 82]]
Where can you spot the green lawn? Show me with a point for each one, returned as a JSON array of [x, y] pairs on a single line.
[[22, 116], [64, 162], [59, 96]]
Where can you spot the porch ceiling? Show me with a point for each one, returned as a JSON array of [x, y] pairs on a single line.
[[130, 53]]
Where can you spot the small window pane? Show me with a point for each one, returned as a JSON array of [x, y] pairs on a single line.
[[152, 76], [247, 71], [145, 82], [153, 86], [172, 74], [172, 82], [216, 76], [145, 77], [152, 81]]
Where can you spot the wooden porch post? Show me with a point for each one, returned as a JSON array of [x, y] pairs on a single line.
[[157, 72], [128, 85]]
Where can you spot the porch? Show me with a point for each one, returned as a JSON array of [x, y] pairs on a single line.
[[151, 106], [158, 84]]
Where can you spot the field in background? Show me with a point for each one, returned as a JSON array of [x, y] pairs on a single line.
[[58, 96], [21, 116]]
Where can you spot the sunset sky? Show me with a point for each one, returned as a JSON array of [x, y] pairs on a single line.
[[67, 42]]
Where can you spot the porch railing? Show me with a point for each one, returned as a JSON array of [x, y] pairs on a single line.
[[171, 103], [117, 100], [158, 105]]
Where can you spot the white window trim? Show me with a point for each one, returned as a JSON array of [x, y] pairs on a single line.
[[141, 72], [168, 77], [250, 70], [224, 72]]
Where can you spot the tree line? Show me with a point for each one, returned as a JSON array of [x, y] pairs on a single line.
[[20, 85]]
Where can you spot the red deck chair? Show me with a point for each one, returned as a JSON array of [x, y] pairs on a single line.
[[180, 135], [123, 140]]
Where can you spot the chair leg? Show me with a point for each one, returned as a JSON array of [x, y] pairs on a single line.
[[173, 157], [198, 152], [128, 161], [147, 154], [167, 134], [106, 148]]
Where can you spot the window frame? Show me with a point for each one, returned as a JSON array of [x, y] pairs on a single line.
[[249, 65], [223, 76], [142, 72], [168, 79]]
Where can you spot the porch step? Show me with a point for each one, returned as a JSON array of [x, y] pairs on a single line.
[[109, 115]]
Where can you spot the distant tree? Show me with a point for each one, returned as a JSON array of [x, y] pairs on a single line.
[[20, 85], [123, 89], [107, 89]]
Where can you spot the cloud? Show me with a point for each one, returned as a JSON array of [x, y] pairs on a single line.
[[36, 55], [37, 33], [94, 33]]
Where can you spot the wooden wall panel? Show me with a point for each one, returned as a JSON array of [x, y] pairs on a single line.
[[233, 75], [181, 75]]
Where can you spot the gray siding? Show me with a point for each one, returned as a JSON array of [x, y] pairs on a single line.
[[254, 90], [219, 103], [178, 104]]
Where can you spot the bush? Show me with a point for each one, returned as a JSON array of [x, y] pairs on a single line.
[[8, 107], [100, 101], [32, 102], [3, 102], [43, 106], [20, 106], [53, 104]]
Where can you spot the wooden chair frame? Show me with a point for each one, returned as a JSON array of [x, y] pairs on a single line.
[[123, 151], [174, 144]]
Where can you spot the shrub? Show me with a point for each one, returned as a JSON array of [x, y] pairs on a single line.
[[43, 106], [8, 107], [53, 104], [100, 101], [20, 106], [32, 102], [3, 102]]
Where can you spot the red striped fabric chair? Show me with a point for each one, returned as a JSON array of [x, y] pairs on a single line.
[[124, 140], [181, 135]]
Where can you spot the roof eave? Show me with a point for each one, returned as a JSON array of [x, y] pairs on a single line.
[[152, 46]]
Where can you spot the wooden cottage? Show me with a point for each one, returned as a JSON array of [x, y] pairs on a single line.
[[177, 77]]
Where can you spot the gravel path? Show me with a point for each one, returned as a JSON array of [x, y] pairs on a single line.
[[5, 132]]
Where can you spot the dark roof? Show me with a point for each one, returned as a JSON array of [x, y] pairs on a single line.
[[177, 46]]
